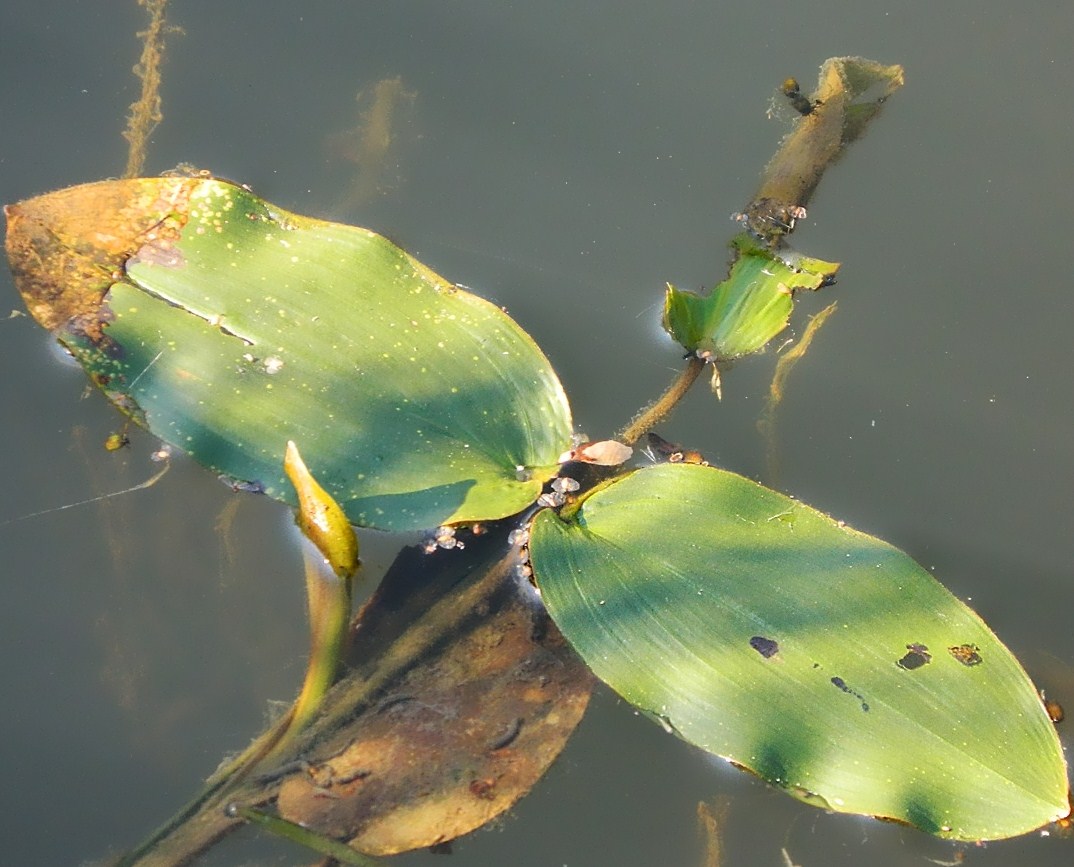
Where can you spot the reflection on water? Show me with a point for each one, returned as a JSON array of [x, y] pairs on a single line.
[[613, 141]]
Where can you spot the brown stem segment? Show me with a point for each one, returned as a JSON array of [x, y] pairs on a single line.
[[849, 94], [659, 409]]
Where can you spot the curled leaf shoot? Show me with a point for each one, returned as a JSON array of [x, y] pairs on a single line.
[[328, 593], [320, 517]]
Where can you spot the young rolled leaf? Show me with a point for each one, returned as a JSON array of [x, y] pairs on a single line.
[[822, 659], [227, 327], [747, 309], [320, 518]]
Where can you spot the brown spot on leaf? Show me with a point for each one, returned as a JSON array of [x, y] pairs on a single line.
[[159, 251], [967, 654], [484, 789]]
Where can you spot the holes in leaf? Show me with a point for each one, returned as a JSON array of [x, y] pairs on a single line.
[[916, 657], [841, 685], [767, 647]]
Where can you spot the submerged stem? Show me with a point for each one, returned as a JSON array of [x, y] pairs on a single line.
[[766, 425], [333, 849], [145, 114]]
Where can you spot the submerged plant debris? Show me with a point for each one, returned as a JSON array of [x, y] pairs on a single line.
[[766, 424], [369, 146], [146, 113], [459, 693], [850, 93]]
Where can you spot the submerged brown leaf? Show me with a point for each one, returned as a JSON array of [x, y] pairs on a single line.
[[461, 734], [459, 695]]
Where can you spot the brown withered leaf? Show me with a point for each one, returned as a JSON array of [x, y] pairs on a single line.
[[68, 247], [463, 694]]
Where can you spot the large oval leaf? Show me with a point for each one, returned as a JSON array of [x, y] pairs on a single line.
[[824, 660], [229, 327]]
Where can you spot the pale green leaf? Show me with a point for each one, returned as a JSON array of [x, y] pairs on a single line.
[[747, 309], [822, 659]]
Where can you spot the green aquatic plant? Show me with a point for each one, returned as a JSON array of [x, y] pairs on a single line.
[[820, 658]]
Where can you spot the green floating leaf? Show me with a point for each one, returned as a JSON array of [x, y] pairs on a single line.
[[228, 327], [747, 309], [822, 659]]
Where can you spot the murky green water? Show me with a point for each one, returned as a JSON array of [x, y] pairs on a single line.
[[564, 159]]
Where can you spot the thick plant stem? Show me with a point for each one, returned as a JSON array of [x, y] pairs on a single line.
[[329, 599], [659, 409], [208, 805], [329, 621], [388, 654]]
